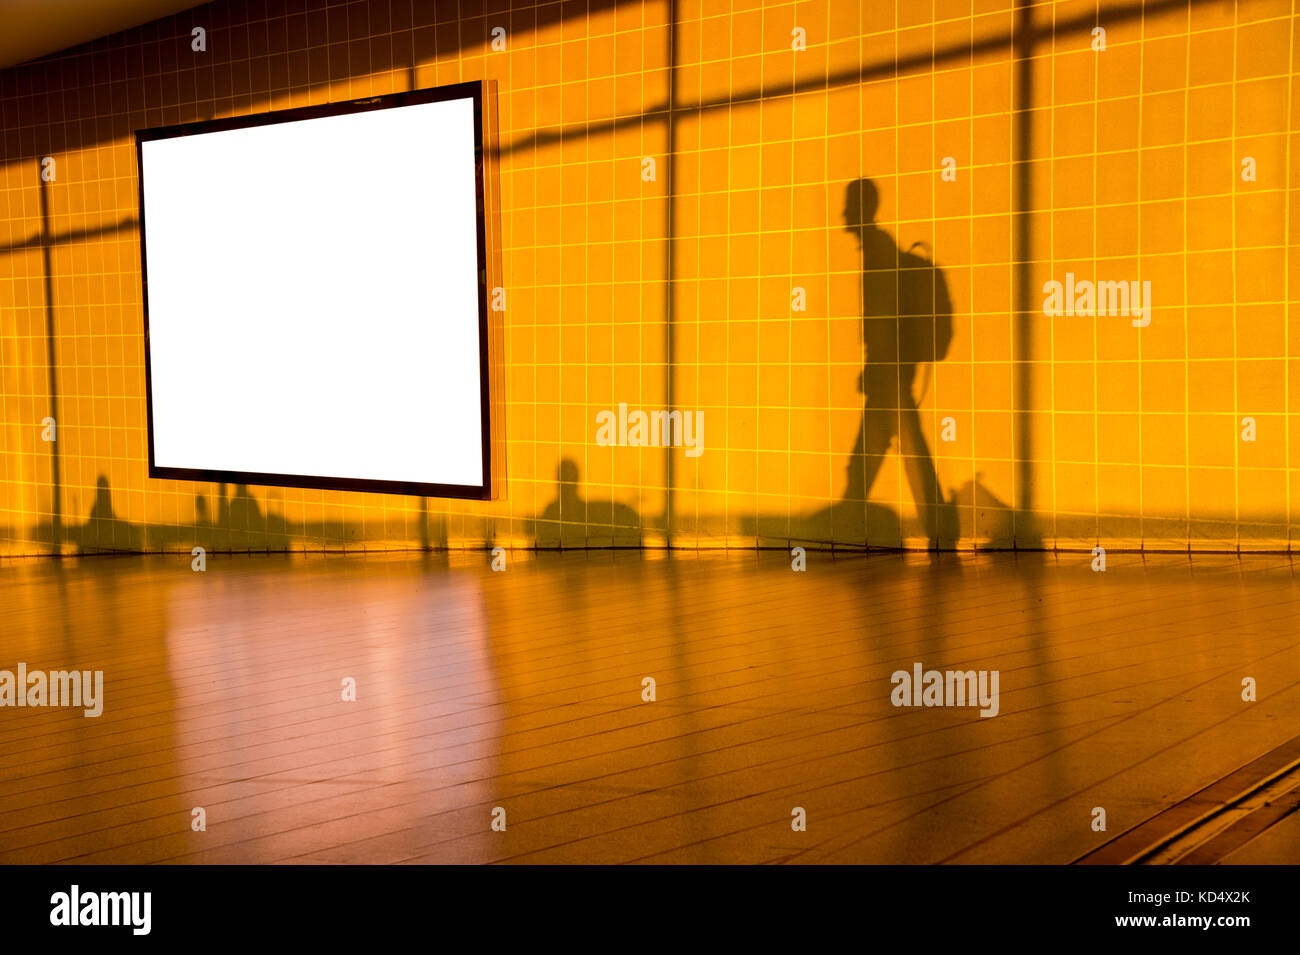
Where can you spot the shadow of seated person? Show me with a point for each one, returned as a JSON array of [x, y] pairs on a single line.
[[104, 530], [574, 521]]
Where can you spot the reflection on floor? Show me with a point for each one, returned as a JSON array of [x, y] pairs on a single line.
[[520, 697]]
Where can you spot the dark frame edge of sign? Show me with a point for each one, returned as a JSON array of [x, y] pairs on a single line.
[[472, 90]]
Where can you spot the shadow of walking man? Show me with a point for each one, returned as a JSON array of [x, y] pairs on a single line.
[[906, 328]]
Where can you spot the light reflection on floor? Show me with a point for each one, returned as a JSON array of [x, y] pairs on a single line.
[[520, 697]]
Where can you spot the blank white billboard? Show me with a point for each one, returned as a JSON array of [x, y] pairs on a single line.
[[315, 310]]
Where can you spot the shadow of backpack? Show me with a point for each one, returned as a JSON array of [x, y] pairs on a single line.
[[924, 309]]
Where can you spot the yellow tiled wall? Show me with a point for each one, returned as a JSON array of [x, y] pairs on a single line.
[[732, 282]]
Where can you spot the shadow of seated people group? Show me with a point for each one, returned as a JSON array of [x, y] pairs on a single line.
[[240, 525]]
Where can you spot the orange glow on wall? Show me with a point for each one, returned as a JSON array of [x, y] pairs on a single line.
[[680, 230]]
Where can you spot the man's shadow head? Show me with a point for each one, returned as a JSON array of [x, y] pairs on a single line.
[[861, 200]]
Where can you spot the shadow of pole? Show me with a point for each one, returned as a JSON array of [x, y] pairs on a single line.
[[1023, 529], [670, 265], [51, 360]]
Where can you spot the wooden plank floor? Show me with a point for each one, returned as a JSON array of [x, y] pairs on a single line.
[[523, 690]]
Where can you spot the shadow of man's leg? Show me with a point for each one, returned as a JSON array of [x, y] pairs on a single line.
[[868, 454], [879, 386], [921, 475], [937, 515]]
